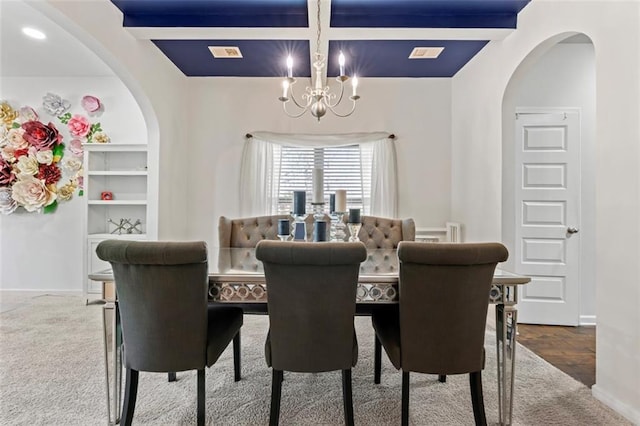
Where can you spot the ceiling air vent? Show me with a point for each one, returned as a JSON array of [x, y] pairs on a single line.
[[225, 51], [426, 52]]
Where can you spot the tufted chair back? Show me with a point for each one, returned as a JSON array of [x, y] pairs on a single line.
[[247, 232], [385, 233]]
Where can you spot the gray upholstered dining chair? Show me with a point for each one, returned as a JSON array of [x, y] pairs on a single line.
[[427, 334], [311, 302], [167, 325]]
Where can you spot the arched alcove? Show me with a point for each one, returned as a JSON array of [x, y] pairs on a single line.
[[556, 76]]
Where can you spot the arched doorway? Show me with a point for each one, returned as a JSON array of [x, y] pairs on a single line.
[[549, 180]]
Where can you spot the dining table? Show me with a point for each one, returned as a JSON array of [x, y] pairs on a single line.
[[237, 278]]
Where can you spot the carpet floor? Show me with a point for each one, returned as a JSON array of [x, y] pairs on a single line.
[[52, 373]]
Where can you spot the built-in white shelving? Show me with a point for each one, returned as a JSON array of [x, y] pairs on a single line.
[[116, 189]]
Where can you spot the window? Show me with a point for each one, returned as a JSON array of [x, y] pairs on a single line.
[[275, 164], [345, 167]]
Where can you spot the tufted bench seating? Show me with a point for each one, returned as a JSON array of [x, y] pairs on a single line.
[[385, 233], [376, 232]]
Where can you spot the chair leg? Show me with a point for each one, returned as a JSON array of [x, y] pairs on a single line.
[[475, 382], [442, 378], [201, 397], [276, 391], [236, 357], [130, 394], [405, 398], [377, 361], [172, 376], [347, 397]]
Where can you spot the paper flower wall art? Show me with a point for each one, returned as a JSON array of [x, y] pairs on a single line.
[[32, 173]]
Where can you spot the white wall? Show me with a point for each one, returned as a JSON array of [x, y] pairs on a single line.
[[477, 149], [222, 111], [158, 87], [44, 251], [563, 77]]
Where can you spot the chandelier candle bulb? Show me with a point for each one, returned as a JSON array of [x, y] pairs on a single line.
[[341, 200], [354, 83], [318, 186], [285, 88], [341, 61], [289, 67]]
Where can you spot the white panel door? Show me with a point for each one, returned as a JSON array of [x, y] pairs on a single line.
[[548, 216]]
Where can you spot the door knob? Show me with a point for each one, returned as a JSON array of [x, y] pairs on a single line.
[[572, 230]]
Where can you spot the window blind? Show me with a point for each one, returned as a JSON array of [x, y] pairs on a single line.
[[345, 167]]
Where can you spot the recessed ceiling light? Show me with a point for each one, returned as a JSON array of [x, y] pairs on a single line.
[[33, 33], [225, 51], [425, 52]]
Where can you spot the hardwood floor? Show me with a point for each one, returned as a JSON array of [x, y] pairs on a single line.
[[571, 349]]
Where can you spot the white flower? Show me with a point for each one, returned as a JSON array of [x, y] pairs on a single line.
[[28, 165], [15, 139], [54, 104], [44, 157], [8, 153], [3, 136], [7, 204], [32, 193], [72, 165]]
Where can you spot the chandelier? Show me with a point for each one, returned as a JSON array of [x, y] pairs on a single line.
[[317, 99]]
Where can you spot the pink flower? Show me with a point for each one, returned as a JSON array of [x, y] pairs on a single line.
[[91, 104], [41, 136], [75, 146], [79, 126], [28, 114], [6, 173]]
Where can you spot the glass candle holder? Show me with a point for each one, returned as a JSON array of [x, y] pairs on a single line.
[[299, 227], [338, 226], [354, 228]]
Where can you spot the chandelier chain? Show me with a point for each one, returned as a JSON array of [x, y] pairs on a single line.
[[318, 32]]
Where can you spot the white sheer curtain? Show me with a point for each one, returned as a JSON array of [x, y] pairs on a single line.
[[259, 189]]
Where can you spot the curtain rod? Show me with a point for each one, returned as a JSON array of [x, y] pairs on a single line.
[[249, 136]]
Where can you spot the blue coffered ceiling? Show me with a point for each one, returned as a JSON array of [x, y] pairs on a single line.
[[376, 36]]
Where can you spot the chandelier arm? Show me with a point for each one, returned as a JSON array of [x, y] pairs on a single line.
[[295, 101], [303, 110], [337, 102], [353, 108]]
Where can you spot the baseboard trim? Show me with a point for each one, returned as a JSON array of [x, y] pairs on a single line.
[[621, 408], [587, 320], [40, 292]]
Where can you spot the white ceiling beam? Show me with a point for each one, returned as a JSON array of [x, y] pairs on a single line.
[[177, 33], [148, 33], [418, 33]]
